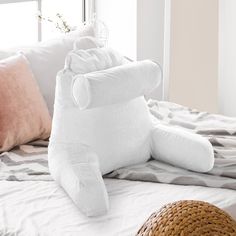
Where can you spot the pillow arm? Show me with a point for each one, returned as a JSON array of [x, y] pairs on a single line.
[[75, 168], [181, 148]]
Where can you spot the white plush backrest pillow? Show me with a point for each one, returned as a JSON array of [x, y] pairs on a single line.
[[48, 57], [118, 133], [114, 129]]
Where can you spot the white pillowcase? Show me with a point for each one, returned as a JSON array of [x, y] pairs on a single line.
[[48, 57]]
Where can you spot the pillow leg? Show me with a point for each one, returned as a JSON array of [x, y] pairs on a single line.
[[181, 148], [76, 169]]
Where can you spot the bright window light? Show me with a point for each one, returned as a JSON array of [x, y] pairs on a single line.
[[71, 11], [18, 24]]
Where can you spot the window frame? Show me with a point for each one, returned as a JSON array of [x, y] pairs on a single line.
[[39, 8]]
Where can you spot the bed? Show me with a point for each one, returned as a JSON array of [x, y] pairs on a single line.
[[42, 208], [32, 204]]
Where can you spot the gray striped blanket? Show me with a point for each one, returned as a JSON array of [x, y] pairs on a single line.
[[26, 162], [29, 162]]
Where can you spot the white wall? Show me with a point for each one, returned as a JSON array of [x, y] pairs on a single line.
[[227, 57], [120, 16], [150, 29], [150, 34], [136, 28], [194, 53]]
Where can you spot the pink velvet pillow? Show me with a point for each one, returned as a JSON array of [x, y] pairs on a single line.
[[24, 115]]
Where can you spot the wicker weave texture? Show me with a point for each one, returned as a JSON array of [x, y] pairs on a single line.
[[189, 218]]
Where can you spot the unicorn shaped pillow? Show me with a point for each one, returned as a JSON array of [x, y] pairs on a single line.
[[101, 123]]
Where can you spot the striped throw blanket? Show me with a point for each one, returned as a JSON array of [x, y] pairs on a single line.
[[29, 162]]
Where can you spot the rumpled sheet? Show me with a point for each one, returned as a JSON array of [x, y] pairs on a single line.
[[29, 162]]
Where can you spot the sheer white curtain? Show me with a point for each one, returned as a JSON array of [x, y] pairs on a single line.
[[101, 29], [90, 10]]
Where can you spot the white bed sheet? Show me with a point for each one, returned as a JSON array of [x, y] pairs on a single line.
[[43, 209]]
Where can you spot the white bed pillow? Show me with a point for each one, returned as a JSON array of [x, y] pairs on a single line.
[[48, 57]]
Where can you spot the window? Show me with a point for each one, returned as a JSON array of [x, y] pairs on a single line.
[[70, 9], [19, 24]]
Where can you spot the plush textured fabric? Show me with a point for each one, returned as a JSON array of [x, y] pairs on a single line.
[[24, 115], [117, 132]]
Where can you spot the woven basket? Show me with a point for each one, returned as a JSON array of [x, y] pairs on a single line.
[[189, 218]]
